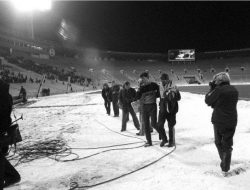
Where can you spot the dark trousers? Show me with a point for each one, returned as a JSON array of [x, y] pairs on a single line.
[[107, 106], [223, 136], [8, 174], [161, 121], [115, 105], [171, 119], [149, 112], [125, 115]]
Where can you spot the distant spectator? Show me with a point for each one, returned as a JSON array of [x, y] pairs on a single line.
[[22, 94], [45, 92]]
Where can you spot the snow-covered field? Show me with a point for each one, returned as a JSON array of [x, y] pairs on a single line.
[[80, 120]]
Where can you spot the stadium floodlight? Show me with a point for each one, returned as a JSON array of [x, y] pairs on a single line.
[[29, 6], [32, 5]]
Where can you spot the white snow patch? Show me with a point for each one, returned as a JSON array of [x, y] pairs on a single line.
[[70, 118]]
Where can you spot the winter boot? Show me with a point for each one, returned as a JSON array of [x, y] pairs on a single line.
[[147, 144], [171, 136], [226, 161], [163, 143], [139, 134]]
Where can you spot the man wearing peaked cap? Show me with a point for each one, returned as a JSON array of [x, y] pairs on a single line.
[[169, 97]]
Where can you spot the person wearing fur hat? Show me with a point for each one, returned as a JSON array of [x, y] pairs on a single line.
[[169, 97], [223, 98]]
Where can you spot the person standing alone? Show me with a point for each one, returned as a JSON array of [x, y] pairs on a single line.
[[223, 98]]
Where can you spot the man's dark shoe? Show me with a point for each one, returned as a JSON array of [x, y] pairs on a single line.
[[147, 144], [139, 134], [163, 143], [226, 161], [171, 145], [123, 130]]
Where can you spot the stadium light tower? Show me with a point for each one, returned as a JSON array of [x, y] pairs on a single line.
[[29, 6]]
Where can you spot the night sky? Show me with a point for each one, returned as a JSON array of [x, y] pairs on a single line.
[[146, 26]]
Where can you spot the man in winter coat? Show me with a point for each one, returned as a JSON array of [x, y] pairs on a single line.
[[142, 125], [223, 98], [150, 92], [107, 96], [115, 95], [8, 174], [169, 97], [126, 96]]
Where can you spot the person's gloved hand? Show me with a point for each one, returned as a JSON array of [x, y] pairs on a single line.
[[212, 85]]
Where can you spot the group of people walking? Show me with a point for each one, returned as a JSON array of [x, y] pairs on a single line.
[[222, 97], [146, 96]]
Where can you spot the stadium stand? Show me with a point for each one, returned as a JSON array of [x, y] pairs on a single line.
[[25, 61]]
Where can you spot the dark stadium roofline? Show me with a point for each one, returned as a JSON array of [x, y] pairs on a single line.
[[226, 51], [134, 53], [164, 54]]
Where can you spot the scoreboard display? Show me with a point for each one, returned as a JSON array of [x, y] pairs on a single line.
[[181, 55]]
